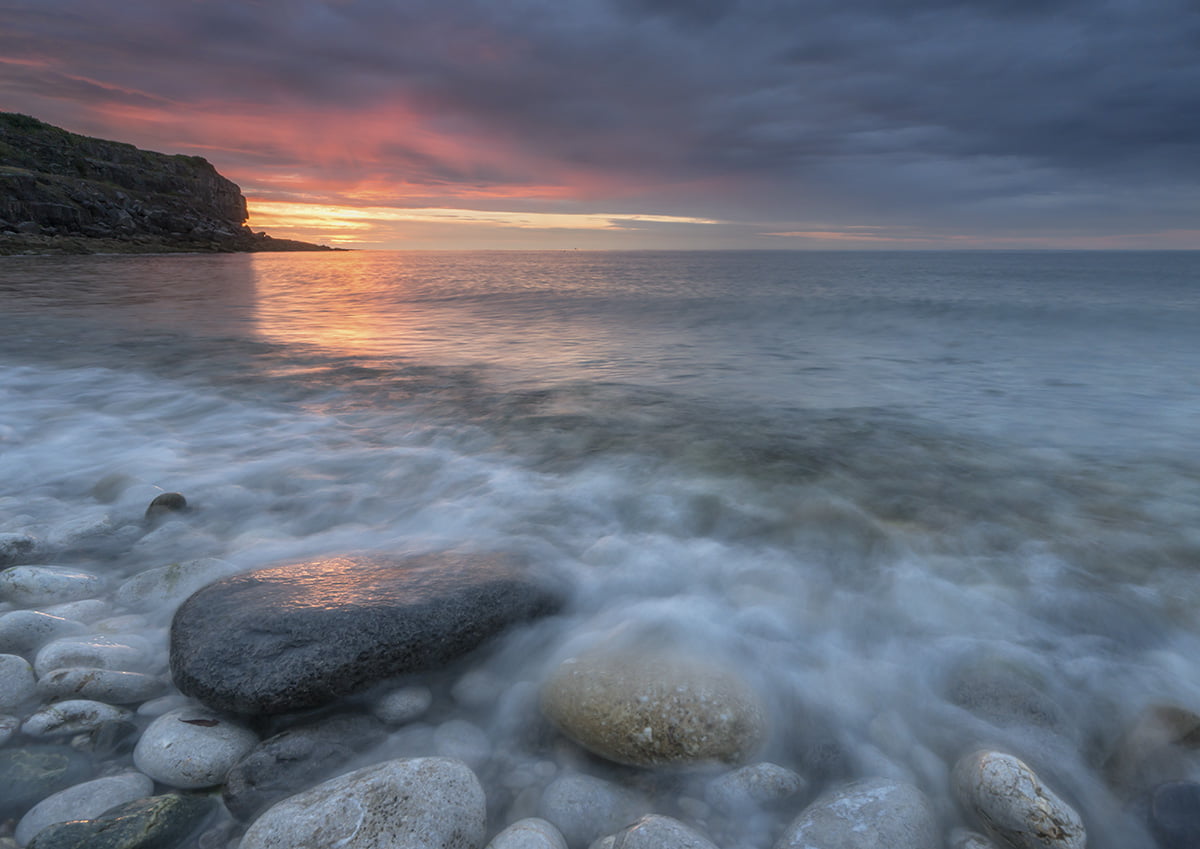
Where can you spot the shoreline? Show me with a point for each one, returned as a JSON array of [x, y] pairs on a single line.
[[66, 245]]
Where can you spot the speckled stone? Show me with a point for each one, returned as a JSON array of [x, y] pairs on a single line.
[[753, 786], [872, 814], [423, 803], [1013, 805], [529, 833], [658, 832], [83, 801], [192, 747], [650, 709], [32, 586]]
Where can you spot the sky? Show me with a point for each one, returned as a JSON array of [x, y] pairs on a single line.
[[648, 124]]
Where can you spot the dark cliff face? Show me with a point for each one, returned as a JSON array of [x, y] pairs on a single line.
[[61, 188]]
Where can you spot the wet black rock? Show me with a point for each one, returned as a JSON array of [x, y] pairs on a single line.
[[156, 822], [168, 502], [30, 774], [1175, 815], [296, 759], [303, 635]]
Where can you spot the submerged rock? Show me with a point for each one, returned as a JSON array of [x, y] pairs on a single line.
[[17, 548], [1162, 745], [31, 773], [171, 584], [155, 822], [1174, 815], [423, 803], [299, 636], [873, 814], [17, 684], [295, 759], [651, 709], [83, 801], [31, 586], [753, 786], [72, 717], [584, 808], [25, 631], [658, 832], [1013, 805]]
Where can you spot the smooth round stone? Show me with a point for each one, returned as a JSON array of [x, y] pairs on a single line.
[[72, 717], [105, 685], [155, 822], [17, 683], [83, 801], [31, 773], [658, 832], [529, 833], [424, 803], [1013, 804], [85, 611], [584, 808], [192, 747], [125, 653], [647, 709], [872, 814], [402, 705], [299, 636], [1175, 815], [81, 531], [15, 548], [752, 787], [294, 760], [25, 631], [167, 586], [33, 586]]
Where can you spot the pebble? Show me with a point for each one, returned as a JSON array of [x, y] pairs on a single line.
[[25, 631], [423, 803], [1174, 815], [192, 747], [31, 773], [72, 717], [105, 685], [1013, 804], [126, 653], [753, 786], [83, 801], [17, 682], [165, 504], [529, 833], [166, 586], [81, 531], [873, 814], [33, 586], [403, 704], [86, 610], [962, 838], [295, 759], [16, 547], [155, 822], [584, 808], [659, 832], [649, 709]]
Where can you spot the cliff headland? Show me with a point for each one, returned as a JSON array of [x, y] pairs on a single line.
[[65, 193]]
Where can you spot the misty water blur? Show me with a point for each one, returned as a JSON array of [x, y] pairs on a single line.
[[879, 484]]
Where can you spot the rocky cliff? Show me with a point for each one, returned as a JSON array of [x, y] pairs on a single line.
[[64, 192]]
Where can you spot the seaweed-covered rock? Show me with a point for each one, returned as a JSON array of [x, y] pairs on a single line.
[[155, 822], [299, 636]]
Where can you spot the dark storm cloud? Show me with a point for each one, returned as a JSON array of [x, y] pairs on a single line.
[[933, 108]]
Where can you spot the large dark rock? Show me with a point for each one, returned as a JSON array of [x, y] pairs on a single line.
[[299, 636], [294, 760]]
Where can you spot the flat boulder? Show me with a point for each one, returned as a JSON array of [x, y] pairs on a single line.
[[299, 636]]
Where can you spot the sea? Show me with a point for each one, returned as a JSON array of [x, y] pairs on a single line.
[[921, 501]]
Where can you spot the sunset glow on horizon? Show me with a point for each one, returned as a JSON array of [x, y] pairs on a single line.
[[645, 123]]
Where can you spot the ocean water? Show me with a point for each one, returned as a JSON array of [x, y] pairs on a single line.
[[922, 501]]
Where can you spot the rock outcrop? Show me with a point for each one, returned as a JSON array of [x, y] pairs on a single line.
[[66, 193]]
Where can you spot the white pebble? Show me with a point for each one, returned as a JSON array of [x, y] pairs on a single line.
[[128, 652], [86, 610], [33, 586], [25, 631], [190, 748]]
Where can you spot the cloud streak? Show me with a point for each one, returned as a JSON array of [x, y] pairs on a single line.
[[814, 117]]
